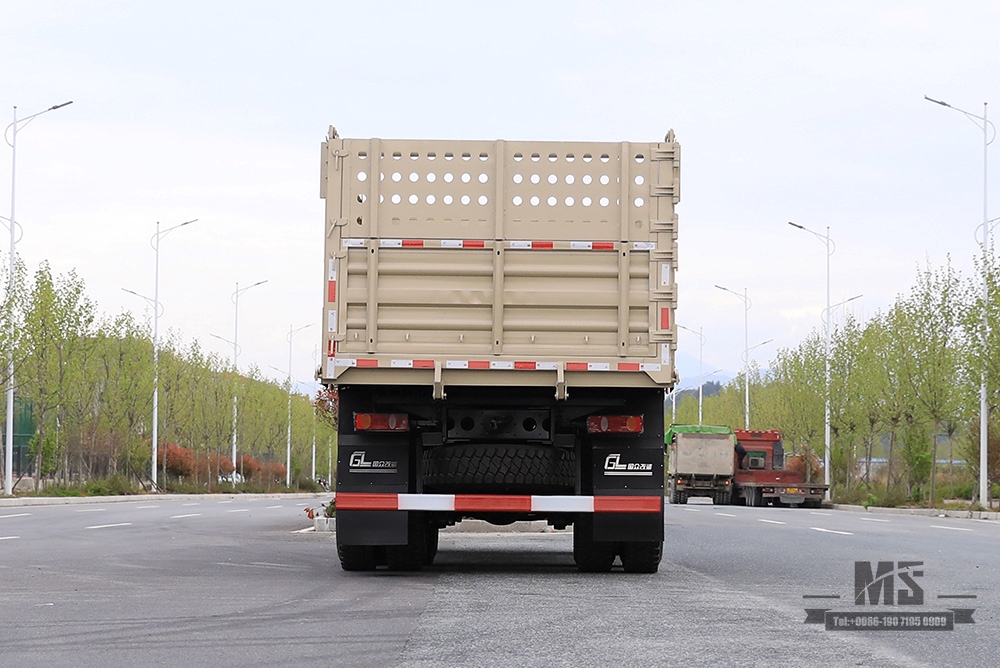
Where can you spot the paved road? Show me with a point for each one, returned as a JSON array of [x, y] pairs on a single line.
[[162, 582]]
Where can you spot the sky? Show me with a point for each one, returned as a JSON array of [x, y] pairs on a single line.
[[785, 111]]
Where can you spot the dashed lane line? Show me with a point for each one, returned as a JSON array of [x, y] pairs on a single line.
[[938, 526], [15, 515], [179, 517], [872, 519], [9, 537], [692, 510], [239, 510], [273, 507], [813, 512], [771, 521], [145, 507], [108, 526], [842, 533], [90, 510], [725, 515]]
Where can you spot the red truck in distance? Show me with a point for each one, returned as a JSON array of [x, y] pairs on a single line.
[[761, 476]]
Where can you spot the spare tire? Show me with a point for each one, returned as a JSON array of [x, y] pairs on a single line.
[[499, 469]]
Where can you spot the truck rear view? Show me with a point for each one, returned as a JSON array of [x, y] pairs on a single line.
[[500, 330], [700, 463]]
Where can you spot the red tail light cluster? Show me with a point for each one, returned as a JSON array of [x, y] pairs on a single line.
[[381, 422], [614, 424]]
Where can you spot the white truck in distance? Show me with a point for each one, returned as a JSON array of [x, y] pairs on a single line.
[[700, 463]]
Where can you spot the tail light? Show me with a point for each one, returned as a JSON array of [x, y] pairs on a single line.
[[381, 422], [614, 424]]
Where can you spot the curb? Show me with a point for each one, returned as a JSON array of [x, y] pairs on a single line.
[[143, 498], [926, 512]]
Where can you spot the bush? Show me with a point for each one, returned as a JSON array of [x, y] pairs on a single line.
[[305, 484], [114, 485]]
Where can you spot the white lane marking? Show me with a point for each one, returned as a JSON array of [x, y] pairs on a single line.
[[842, 533], [108, 526], [813, 512], [145, 507], [306, 530], [302, 505], [239, 510], [15, 515], [90, 510], [178, 517], [725, 515], [229, 501], [692, 510], [259, 564], [272, 507], [936, 526], [871, 519], [191, 504], [772, 521], [8, 537]]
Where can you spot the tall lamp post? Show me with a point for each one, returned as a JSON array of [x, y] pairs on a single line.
[[746, 353], [288, 445], [831, 248], [983, 123], [8, 472], [701, 357], [236, 354]]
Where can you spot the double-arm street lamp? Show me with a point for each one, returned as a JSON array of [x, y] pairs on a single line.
[[701, 351], [288, 445], [984, 124], [8, 474], [236, 354], [746, 353]]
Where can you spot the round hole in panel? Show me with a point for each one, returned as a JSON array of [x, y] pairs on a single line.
[[381, 199], [381, 176], [396, 199], [587, 179], [362, 176], [448, 177], [466, 178], [397, 155], [447, 199], [535, 178], [605, 201], [570, 179], [570, 157], [362, 154], [484, 157], [569, 201], [483, 200], [414, 155], [414, 177], [553, 179], [362, 198], [431, 177], [586, 201], [552, 201], [639, 180], [432, 156], [605, 179], [517, 200], [553, 157], [518, 157], [639, 201], [449, 156], [587, 157], [466, 156], [605, 158], [430, 199], [535, 157], [397, 177], [483, 178], [534, 200], [414, 199], [639, 157], [517, 178], [465, 199]]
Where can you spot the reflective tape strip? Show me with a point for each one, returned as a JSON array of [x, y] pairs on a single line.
[[644, 246], [498, 503], [495, 365], [353, 243]]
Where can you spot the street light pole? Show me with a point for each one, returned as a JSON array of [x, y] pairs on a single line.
[[831, 248], [8, 473], [154, 241], [984, 489], [746, 353], [236, 355], [288, 446], [701, 356]]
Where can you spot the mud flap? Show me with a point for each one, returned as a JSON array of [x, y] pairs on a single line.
[[626, 470], [375, 464]]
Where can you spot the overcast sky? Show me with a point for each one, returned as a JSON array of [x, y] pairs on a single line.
[[803, 111]]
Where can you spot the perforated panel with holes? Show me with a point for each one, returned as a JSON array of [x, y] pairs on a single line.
[[526, 250]]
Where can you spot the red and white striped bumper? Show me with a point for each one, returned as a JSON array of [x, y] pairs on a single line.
[[499, 503]]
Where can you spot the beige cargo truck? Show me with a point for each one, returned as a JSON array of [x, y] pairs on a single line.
[[499, 327], [700, 463]]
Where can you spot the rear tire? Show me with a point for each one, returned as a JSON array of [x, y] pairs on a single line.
[[431, 538], [641, 557], [499, 469], [357, 557]]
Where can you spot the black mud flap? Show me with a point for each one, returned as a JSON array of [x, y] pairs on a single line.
[[627, 470]]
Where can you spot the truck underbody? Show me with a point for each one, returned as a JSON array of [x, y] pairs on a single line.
[[593, 460]]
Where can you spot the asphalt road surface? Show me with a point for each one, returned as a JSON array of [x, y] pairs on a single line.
[[236, 582]]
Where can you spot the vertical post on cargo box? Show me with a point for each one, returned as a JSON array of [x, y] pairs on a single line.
[[623, 255], [499, 160]]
